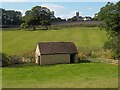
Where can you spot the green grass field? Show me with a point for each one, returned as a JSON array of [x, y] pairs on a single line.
[[80, 75], [20, 42]]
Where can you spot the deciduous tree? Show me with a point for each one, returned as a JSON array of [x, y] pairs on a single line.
[[110, 14], [10, 17], [38, 16]]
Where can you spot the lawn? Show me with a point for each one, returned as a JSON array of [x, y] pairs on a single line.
[[80, 75], [20, 42]]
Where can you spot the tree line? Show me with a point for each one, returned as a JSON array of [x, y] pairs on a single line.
[[10, 17], [38, 15]]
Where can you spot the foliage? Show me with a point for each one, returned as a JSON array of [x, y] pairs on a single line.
[[10, 17], [5, 60], [38, 15], [95, 18], [10, 60], [15, 60], [45, 23], [110, 14], [58, 19], [24, 26], [108, 45], [28, 57], [86, 53], [73, 19]]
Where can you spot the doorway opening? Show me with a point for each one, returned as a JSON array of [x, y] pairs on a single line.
[[72, 58], [39, 60]]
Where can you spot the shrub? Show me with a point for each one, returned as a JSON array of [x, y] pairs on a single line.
[[24, 26], [15, 60], [86, 53], [28, 57], [5, 60], [83, 56], [108, 45]]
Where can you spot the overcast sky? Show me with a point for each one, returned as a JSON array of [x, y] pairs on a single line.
[[61, 9]]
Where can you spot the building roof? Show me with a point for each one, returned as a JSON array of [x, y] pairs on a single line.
[[57, 48]]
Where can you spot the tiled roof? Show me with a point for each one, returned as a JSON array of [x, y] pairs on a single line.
[[57, 48]]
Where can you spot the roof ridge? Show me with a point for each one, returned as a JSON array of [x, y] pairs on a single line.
[[57, 47]]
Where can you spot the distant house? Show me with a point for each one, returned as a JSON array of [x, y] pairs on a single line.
[[87, 18], [55, 52]]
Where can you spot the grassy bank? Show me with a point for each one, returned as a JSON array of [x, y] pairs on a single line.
[[81, 75]]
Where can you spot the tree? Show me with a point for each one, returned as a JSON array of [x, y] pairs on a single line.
[[95, 16], [38, 16], [73, 19], [110, 14], [10, 17]]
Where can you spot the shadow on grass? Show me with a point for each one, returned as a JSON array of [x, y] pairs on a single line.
[[27, 64], [43, 29], [84, 61], [22, 65]]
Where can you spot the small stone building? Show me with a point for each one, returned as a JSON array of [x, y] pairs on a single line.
[[55, 52]]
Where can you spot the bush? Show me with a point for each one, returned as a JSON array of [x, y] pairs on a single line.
[[10, 60], [24, 26], [108, 45], [5, 60], [15, 60], [86, 53], [28, 57]]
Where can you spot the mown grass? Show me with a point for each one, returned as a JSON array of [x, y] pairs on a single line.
[[20, 42], [81, 75]]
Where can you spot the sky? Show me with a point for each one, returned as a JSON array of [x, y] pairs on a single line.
[[61, 9]]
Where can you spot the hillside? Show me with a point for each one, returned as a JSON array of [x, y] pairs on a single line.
[[78, 23], [21, 41]]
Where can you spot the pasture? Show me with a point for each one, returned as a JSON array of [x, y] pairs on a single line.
[[81, 75], [21, 41]]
